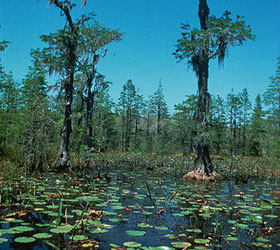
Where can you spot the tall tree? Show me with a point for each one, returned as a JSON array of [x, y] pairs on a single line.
[[218, 126], [244, 120], [184, 121], [161, 113], [257, 128], [61, 57], [127, 111], [92, 46], [199, 46], [234, 110], [36, 125], [272, 100]]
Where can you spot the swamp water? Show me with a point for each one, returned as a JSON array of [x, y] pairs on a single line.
[[137, 210]]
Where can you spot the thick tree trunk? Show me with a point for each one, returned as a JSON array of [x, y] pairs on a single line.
[[63, 158], [203, 169]]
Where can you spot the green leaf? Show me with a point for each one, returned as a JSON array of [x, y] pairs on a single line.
[[78, 237], [25, 239], [42, 235], [181, 244], [135, 233], [265, 204], [62, 230], [3, 240], [132, 244]]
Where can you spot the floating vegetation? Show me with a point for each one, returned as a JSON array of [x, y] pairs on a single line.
[[136, 210]]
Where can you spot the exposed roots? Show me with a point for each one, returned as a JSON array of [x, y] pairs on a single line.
[[192, 175]]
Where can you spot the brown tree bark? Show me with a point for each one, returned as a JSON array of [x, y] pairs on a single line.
[[90, 100], [203, 169], [63, 158]]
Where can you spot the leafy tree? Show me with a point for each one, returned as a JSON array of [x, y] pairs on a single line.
[[127, 111], [35, 121], [272, 100], [234, 109], [257, 128], [147, 125], [104, 127], [199, 46], [184, 121], [92, 46], [217, 124], [8, 111], [160, 111], [138, 114], [61, 57], [245, 121]]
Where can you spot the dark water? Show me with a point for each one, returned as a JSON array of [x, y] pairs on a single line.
[[166, 212]]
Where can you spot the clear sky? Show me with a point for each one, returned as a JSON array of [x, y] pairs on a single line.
[[151, 29]]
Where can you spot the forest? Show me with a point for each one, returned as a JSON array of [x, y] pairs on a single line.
[[80, 170]]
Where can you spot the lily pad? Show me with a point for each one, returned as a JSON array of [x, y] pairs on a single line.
[[161, 228], [132, 244], [98, 231], [3, 240], [62, 230], [20, 229], [25, 239], [78, 237], [42, 236], [201, 241], [135, 233], [181, 244]]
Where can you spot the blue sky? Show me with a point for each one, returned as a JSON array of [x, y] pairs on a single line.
[[151, 29]]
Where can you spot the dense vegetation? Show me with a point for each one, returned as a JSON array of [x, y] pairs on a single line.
[[125, 158], [31, 119]]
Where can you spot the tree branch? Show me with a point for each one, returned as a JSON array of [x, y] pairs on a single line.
[[66, 11]]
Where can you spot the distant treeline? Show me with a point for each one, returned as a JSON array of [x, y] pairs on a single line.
[[31, 117]]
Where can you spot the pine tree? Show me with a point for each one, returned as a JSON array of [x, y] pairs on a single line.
[[257, 128]]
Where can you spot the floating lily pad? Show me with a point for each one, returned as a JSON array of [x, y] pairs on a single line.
[[132, 244], [135, 233], [20, 229], [78, 237], [144, 225], [3, 240], [24, 239], [115, 220], [231, 238], [201, 241], [98, 231], [42, 236], [265, 204], [62, 229], [162, 228], [181, 244], [170, 236]]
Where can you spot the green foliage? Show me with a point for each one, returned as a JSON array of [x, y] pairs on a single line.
[[3, 44], [272, 100], [221, 33], [257, 129]]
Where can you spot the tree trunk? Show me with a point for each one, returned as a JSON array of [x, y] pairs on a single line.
[[63, 158], [90, 100], [203, 169]]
